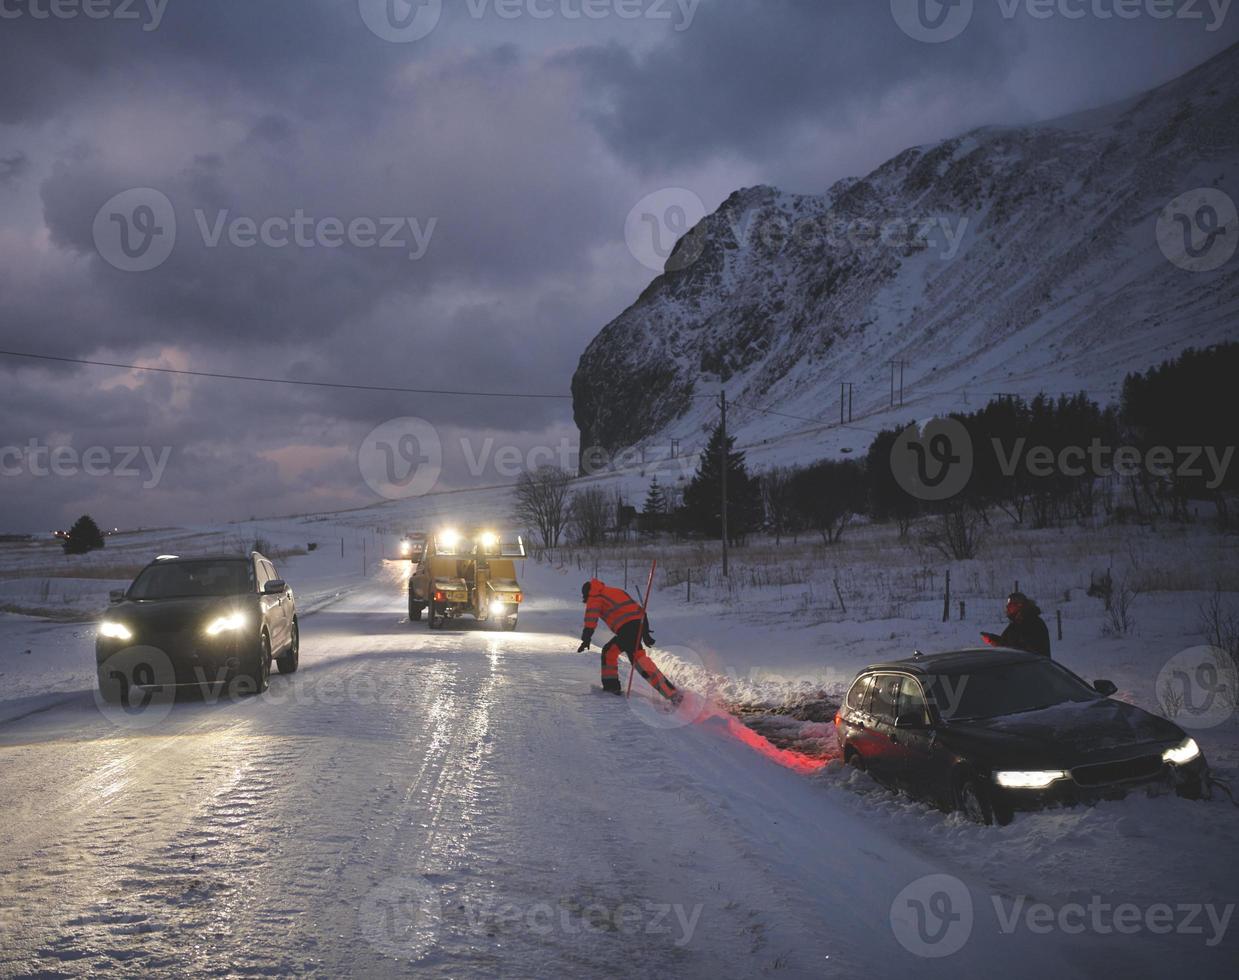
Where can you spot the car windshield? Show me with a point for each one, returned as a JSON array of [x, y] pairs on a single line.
[[190, 579], [1005, 689]]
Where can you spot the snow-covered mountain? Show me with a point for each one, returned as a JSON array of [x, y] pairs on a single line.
[[1041, 258]]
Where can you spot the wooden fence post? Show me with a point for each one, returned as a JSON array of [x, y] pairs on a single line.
[[946, 599]]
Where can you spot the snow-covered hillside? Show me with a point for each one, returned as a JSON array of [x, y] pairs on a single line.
[[1006, 260]]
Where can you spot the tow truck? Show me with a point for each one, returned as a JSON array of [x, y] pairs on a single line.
[[465, 574]]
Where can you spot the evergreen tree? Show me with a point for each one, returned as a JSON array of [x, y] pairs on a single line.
[[703, 498], [84, 536], [655, 500]]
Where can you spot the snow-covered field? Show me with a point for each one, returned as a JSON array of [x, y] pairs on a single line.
[[462, 804]]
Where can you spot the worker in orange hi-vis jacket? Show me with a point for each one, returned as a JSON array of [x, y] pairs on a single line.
[[622, 614]]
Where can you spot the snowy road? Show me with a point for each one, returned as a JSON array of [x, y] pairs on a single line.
[[450, 804]]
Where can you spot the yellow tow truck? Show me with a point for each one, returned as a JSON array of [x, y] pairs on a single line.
[[472, 574]]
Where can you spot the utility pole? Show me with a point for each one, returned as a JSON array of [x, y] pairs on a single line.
[[845, 401], [722, 404], [897, 363]]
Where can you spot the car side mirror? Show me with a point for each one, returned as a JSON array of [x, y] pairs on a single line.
[[277, 586], [910, 720], [116, 595], [1105, 688]]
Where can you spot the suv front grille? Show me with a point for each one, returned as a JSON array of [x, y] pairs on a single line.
[[1122, 771]]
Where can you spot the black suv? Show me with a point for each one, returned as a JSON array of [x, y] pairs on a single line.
[[213, 623], [989, 732]]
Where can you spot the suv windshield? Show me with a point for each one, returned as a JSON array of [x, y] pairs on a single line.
[[190, 579], [991, 692]]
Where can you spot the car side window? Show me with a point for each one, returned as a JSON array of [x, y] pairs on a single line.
[[912, 701], [858, 696], [260, 575], [885, 696]]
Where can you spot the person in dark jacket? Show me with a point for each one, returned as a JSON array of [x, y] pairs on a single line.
[[1026, 629]]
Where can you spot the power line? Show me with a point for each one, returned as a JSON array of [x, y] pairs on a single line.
[[279, 381]]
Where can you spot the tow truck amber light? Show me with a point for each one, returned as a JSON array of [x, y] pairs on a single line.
[[520, 597], [438, 597]]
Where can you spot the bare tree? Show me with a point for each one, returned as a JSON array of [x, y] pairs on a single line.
[[591, 512], [777, 500], [541, 502]]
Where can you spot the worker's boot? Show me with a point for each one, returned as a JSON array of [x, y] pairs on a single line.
[[611, 686]]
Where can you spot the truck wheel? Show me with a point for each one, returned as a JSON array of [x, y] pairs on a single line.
[[510, 625], [435, 620], [415, 610]]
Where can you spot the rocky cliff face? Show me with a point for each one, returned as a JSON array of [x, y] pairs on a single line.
[[1004, 260]]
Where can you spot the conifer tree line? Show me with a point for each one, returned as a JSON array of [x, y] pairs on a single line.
[[1178, 420]]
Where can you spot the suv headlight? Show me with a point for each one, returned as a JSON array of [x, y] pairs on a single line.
[[1183, 753], [117, 631], [226, 624], [1029, 779]]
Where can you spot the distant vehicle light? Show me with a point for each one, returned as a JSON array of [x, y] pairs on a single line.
[[117, 631], [1035, 779], [226, 624], [406, 548], [1183, 753]]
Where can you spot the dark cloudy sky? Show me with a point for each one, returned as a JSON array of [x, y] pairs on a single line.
[[520, 132]]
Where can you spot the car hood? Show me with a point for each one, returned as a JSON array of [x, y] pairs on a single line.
[[172, 615], [1070, 733]]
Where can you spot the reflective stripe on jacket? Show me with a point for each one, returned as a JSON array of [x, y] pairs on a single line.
[[613, 606]]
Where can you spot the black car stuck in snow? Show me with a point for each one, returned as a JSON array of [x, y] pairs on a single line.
[[989, 732]]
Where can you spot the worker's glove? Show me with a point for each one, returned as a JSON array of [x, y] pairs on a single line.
[[587, 637], [648, 639]]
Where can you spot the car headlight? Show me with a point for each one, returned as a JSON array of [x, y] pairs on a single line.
[[116, 631], [226, 624], [1029, 779], [1183, 753]]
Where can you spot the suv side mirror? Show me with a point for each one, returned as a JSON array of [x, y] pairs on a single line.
[[910, 719], [1105, 688], [116, 595], [276, 586]]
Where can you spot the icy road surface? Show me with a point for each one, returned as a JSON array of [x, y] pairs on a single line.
[[460, 804]]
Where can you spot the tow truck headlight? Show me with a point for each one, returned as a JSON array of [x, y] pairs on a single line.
[[498, 607], [115, 631], [1029, 779], [489, 539], [226, 624], [449, 539], [1183, 753]]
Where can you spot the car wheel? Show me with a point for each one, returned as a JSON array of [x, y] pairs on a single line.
[[1190, 788], [261, 672], [291, 660], [856, 761], [973, 802]]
